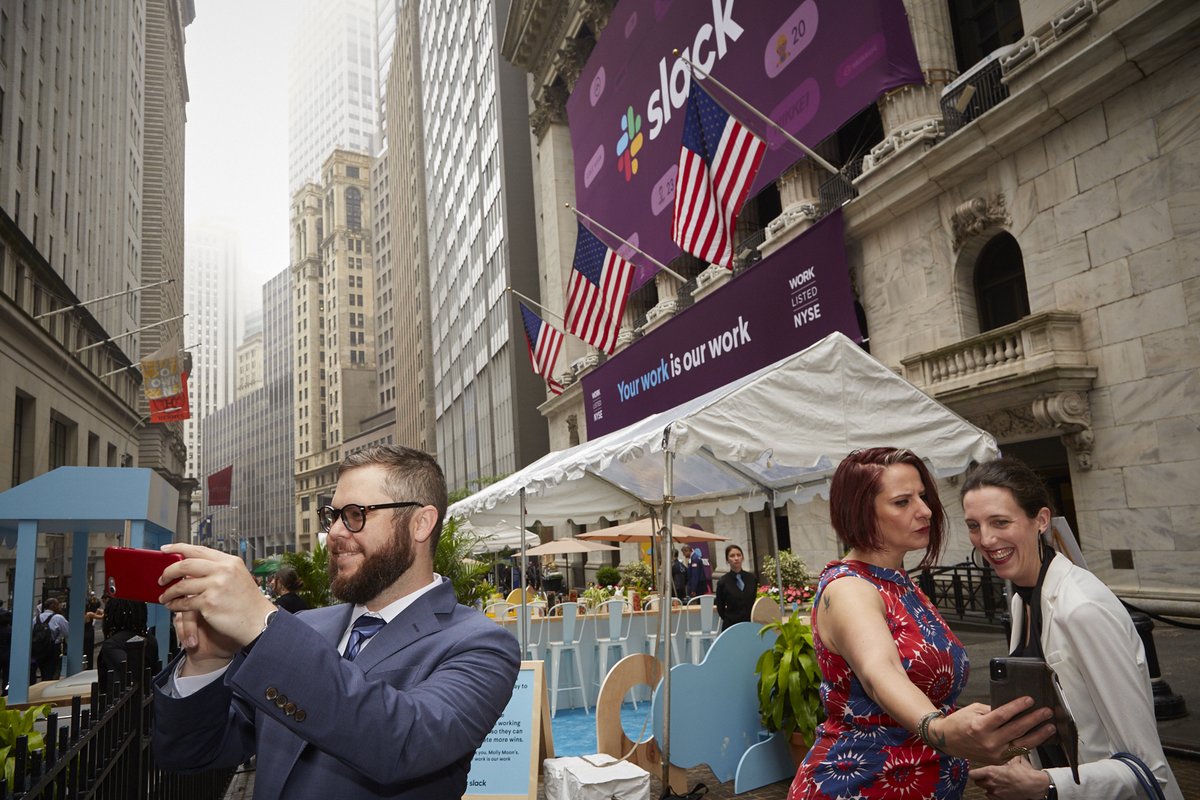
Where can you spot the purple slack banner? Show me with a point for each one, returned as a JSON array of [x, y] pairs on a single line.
[[783, 304], [808, 66]]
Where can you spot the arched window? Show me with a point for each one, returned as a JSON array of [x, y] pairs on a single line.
[[353, 208], [1000, 293]]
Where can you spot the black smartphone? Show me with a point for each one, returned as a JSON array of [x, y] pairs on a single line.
[[1014, 677]]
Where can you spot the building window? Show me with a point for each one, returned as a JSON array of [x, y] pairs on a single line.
[[22, 418], [353, 208], [61, 433], [1000, 292], [983, 26]]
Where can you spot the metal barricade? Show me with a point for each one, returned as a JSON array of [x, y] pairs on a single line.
[[966, 592]]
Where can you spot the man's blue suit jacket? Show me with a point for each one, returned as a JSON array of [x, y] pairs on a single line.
[[403, 720]]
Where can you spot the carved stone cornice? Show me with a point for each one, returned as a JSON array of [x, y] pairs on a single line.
[[549, 107], [572, 57], [1069, 414], [976, 216], [597, 13], [1011, 424]]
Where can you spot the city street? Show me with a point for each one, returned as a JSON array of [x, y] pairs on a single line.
[[1179, 654]]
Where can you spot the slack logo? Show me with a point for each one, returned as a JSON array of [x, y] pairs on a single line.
[[630, 143]]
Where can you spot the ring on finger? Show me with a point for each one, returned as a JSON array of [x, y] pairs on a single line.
[[1013, 751]]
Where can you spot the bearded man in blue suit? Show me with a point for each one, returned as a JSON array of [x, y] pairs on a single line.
[[387, 695]]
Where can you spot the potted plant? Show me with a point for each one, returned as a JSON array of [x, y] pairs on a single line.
[[789, 684], [797, 591]]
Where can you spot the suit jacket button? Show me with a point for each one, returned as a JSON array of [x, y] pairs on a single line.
[[301, 715], [272, 693], [289, 709], [281, 701]]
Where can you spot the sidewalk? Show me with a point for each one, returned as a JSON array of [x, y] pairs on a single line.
[[1179, 660]]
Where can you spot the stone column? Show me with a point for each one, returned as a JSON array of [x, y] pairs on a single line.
[[911, 112]]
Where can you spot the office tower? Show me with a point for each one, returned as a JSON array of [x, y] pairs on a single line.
[[331, 85], [480, 239], [253, 433], [91, 185], [401, 255], [210, 328], [334, 328]]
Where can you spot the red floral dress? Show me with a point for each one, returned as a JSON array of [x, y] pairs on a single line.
[[860, 751]]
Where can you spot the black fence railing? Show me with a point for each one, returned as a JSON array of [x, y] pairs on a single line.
[[974, 93], [103, 750], [966, 592]]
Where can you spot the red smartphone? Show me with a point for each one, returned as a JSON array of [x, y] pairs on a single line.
[[133, 573]]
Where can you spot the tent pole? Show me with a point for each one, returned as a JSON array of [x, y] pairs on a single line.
[[775, 545], [664, 596], [524, 586]]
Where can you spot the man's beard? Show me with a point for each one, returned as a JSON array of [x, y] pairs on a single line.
[[376, 573]]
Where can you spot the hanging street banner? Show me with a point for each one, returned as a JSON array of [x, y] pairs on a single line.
[[783, 304], [808, 66]]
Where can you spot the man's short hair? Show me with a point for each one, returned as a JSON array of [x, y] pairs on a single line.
[[411, 475]]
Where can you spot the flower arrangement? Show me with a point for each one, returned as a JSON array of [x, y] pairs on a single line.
[[798, 595], [595, 595], [637, 575]]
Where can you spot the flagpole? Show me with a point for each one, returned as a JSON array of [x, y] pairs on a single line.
[[65, 309], [776, 126], [651, 258], [534, 303], [138, 365], [129, 333]]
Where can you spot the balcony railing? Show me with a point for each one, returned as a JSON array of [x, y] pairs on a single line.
[[975, 92], [1044, 347]]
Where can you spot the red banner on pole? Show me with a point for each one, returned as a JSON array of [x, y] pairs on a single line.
[[219, 485], [171, 409]]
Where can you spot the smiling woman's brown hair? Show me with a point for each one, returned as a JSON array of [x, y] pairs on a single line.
[[1008, 473]]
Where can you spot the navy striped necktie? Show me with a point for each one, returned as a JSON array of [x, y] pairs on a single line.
[[364, 628]]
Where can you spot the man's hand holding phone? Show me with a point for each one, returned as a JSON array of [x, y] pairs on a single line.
[[217, 603]]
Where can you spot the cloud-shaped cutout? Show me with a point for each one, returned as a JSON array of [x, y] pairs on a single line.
[[729, 664]]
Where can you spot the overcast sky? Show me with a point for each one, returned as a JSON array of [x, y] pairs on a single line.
[[236, 57]]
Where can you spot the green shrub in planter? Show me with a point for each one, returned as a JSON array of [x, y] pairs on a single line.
[[789, 680], [608, 576]]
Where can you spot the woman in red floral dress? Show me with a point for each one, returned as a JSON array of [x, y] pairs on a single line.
[[892, 669]]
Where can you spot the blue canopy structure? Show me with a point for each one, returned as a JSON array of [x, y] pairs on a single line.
[[137, 503]]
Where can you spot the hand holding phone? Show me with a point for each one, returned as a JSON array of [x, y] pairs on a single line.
[[1020, 677], [133, 573]]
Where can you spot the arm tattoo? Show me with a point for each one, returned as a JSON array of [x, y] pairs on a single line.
[[938, 740], [826, 599]]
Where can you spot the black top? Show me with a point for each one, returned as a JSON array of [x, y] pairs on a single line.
[[734, 604], [292, 603], [679, 574]]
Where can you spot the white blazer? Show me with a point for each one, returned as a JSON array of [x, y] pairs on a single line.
[[1090, 642]]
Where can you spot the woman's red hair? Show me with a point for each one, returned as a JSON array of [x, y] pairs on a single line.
[[852, 499]]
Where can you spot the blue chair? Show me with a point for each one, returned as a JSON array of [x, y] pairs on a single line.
[[571, 633], [653, 617], [537, 630], [703, 624], [613, 621]]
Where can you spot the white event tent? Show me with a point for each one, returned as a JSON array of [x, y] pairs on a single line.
[[776, 434], [772, 436]]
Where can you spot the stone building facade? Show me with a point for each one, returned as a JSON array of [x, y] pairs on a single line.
[[1022, 240], [334, 336]]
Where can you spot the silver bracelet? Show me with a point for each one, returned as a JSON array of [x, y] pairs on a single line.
[[923, 728]]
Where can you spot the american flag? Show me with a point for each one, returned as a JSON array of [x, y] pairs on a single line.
[[718, 160], [600, 281], [544, 342]]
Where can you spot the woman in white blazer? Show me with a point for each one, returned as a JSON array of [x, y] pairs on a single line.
[[1066, 615]]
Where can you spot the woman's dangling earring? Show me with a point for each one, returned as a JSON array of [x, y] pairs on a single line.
[[974, 550]]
